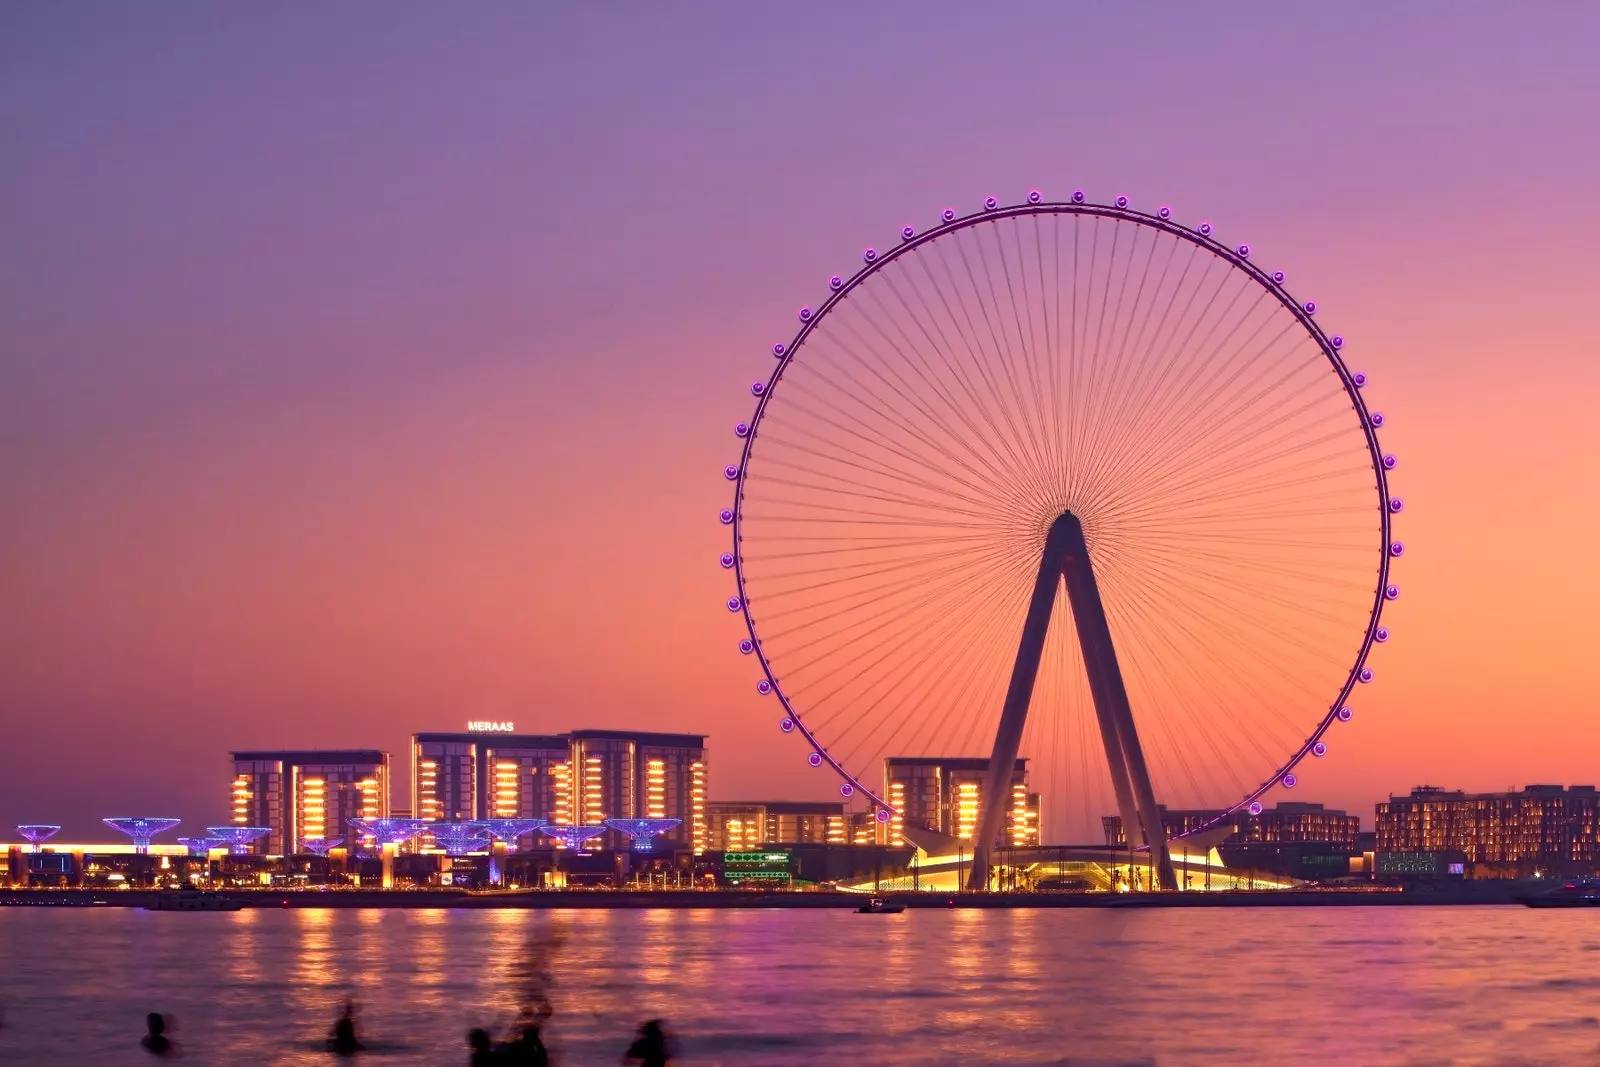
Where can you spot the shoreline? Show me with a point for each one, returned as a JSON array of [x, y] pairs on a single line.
[[548, 899]]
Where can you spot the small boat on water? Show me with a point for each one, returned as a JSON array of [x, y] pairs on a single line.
[[189, 899], [879, 906], [1575, 893]]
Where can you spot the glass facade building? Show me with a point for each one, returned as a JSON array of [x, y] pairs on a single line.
[[622, 774], [735, 826], [308, 795], [1289, 822], [466, 776]]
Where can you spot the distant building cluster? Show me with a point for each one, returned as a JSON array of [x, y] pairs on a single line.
[[1544, 829], [946, 794], [1288, 822]]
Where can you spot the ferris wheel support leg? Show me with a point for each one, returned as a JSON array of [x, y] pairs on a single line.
[[1008, 738], [1111, 704]]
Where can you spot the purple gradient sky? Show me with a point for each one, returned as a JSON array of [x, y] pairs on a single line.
[[370, 370]]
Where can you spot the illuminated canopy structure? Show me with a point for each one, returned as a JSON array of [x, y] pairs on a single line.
[[319, 846], [140, 831], [201, 846], [573, 837], [458, 838], [509, 830], [389, 831], [37, 834], [641, 831], [239, 838]]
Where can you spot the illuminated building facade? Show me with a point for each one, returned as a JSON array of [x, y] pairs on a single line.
[[308, 795], [488, 773], [734, 826], [946, 793], [622, 774], [1542, 828], [1289, 822]]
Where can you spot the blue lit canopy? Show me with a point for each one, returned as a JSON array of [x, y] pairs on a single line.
[[37, 833], [201, 846], [389, 831], [239, 838], [141, 830], [458, 838], [640, 831], [573, 836], [318, 846], [508, 830]]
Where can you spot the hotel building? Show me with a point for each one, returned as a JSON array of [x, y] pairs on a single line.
[[622, 774], [491, 773], [307, 794], [946, 793], [1542, 828], [734, 826], [1289, 822]]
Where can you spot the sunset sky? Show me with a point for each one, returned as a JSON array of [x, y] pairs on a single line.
[[371, 369]]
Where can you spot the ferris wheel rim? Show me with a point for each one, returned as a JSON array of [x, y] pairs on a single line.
[[1202, 235]]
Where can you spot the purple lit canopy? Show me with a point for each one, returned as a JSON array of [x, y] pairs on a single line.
[[141, 830]]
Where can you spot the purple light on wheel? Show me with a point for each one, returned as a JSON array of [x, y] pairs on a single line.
[[1336, 341], [883, 815], [1397, 548], [1359, 378], [1034, 196], [1290, 781], [727, 559], [1277, 277], [1255, 807], [779, 349], [1163, 212], [948, 214], [814, 759], [836, 283], [734, 603], [1122, 201], [1391, 592], [1244, 251], [805, 314], [731, 472], [757, 388], [1319, 749], [1077, 196], [846, 789], [1389, 463], [907, 233], [741, 429], [1397, 505], [726, 515], [1310, 307], [763, 687], [990, 203], [786, 725], [1376, 419], [747, 646], [1205, 229], [1345, 713], [1381, 634], [1366, 674], [870, 255]]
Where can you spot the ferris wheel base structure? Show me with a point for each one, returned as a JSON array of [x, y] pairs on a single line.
[[1066, 558]]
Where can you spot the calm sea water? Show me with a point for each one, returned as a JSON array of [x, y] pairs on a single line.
[[1377, 986]]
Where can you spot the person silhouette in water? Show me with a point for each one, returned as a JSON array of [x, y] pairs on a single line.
[[155, 1041], [344, 1041], [650, 1047]]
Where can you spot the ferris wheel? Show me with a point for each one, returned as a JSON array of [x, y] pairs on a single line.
[[1070, 481]]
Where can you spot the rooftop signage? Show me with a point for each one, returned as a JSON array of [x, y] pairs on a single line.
[[485, 726]]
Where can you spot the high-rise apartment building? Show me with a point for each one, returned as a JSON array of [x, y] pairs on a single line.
[[491, 773], [307, 795], [1539, 828], [737, 825], [946, 794], [623, 774]]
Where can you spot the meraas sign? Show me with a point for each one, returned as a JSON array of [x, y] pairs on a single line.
[[485, 726]]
